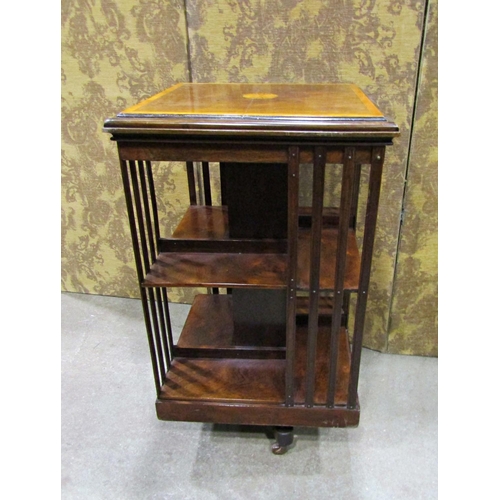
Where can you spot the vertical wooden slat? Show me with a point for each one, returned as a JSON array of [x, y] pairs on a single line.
[[154, 204], [345, 215], [141, 212], [143, 240], [293, 221], [166, 350], [352, 224], [346, 305], [191, 183], [161, 298], [170, 340], [222, 176], [364, 279], [140, 271], [314, 271], [147, 211], [207, 192], [131, 216], [223, 198], [156, 304], [355, 196], [158, 322]]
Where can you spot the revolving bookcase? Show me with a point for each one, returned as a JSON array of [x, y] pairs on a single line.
[[269, 342]]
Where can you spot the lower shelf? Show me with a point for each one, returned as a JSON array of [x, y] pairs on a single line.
[[234, 380], [211, 388], [258, 380]]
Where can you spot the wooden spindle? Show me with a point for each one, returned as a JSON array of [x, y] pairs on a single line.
[[293, 217], [140, 271], [364, 279], [340, 265], [314, 270], [141, 211], [191, 182], [207, 192]]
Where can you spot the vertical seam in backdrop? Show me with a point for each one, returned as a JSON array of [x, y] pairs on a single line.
[[407, 167]]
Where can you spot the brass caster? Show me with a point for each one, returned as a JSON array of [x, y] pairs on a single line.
[[284, 440], [279, 450]]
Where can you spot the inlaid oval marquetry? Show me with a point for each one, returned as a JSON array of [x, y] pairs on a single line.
[[207, 100], [260, 95]]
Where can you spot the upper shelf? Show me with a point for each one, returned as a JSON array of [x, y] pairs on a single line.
[[206, 227], [218, 270], [201, 222], [266, 109]]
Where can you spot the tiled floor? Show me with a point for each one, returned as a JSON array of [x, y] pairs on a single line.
[[113, 446]]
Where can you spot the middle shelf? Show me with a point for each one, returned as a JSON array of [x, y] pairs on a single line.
[[238, 269]]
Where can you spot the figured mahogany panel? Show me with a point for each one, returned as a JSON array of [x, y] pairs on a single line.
[[258, 380], [201, 222], [205, 229], [217, 270], [260, 270], [247, 380]]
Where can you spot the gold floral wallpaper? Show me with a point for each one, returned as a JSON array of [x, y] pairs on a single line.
[[413, 325], [113, 55], [116, 53]]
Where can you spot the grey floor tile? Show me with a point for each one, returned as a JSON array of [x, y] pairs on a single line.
[[113, 447]]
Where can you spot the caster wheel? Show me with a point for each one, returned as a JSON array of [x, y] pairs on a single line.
[[284, 440], [279, 450]]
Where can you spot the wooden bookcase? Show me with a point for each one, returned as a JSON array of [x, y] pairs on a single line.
[[272, 347]]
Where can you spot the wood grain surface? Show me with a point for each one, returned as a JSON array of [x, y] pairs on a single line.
[[257, 380], [243, 99]]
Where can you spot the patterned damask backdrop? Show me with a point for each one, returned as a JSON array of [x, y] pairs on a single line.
[[117, 53], [413, 320]]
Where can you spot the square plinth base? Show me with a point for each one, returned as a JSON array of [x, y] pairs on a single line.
[[250, 414]]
